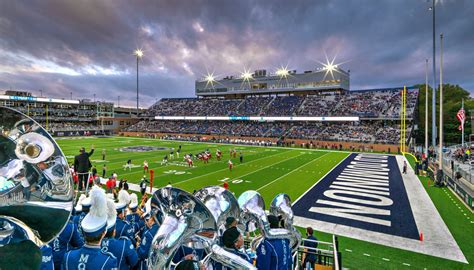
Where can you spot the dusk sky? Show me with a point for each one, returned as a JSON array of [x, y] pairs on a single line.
[[86, 47]]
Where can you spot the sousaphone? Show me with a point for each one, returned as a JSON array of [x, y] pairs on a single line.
[[36, 187]]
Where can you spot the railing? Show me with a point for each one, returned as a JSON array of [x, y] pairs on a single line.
[[458, 166], [327, 254]]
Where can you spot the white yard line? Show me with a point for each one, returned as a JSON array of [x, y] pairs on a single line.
[[271, 165], [290, 172], [227, 168], [322, 177]]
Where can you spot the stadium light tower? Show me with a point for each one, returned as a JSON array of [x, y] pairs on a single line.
[[139, 54], [440, 154], [433, 101], [426, 108]]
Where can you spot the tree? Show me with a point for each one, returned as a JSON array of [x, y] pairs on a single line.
[[452, 98]]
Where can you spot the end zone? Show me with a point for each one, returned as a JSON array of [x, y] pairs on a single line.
[[367, 197]]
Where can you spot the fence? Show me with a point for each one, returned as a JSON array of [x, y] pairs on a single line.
[[458, 165], [328, 256]]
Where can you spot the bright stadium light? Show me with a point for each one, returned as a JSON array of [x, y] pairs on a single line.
[[138, 53], [330, 67], [210, 79], [246, 75], [283, 72]]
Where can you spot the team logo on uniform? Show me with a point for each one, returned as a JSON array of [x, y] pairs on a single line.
[[83, 261], [46, 259]]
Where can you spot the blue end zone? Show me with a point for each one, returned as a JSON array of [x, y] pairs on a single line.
[[397, 218]]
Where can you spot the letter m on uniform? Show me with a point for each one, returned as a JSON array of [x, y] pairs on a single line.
[[84, 258]]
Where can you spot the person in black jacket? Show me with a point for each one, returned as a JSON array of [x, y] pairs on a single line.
[[82, 165]]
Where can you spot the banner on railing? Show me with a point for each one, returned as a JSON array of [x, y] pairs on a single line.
[[37, 99], [73, 133]]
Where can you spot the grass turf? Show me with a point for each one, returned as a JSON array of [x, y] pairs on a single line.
[[271, 171]]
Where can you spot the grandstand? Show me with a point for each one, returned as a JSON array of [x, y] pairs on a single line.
[[377, 112], [70, 117]]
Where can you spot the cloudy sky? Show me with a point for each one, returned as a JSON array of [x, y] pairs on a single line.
[[86, 47]]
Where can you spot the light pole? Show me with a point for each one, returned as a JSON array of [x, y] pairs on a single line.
[[433, 109], [41, 93], [139, 54], [71, 95], [441, 104], [426, 108], [118, 101]]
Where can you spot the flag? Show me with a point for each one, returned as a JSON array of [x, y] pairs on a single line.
[[461, 116]]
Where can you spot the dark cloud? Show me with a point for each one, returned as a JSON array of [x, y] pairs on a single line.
[[85, 47]]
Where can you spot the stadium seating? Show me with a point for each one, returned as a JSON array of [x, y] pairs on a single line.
[[71, 126], [364, 131], [372, 106], [365, 104]]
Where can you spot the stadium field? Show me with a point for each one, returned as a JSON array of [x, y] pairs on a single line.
[[267, 170], [272, 170]]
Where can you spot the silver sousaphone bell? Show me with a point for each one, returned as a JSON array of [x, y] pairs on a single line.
[[222, 204], [36, 187], [281, 206], [252, 206], [184, 217]]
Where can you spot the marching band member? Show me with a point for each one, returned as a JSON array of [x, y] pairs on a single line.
[[274, 254], [122, 248], [94, 224], [143, 248], [122, 227], [133, 217], [69, 238]]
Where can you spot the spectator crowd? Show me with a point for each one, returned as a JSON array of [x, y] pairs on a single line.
[[365, 104], [377, 109], [385, 132]]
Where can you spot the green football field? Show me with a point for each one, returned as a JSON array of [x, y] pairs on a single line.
[[272, 170]]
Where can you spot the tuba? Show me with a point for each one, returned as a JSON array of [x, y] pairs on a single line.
[[36, 187], [281, 206], [184, 217], [222, 204], [252, 206]]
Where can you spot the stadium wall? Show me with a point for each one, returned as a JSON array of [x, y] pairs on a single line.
[[356, 146]]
